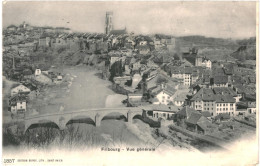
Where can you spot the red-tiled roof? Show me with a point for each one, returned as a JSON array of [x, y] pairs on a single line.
[[186, 111], [206, 113], [224, 99], [203, 94], [194, 118], [203, 123], [220, 79], [224, 91], [17, 98]]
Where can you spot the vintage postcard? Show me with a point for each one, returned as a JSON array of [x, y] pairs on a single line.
[[130, 83]]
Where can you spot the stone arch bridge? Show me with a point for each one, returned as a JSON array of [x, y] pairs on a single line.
[[62, 118]]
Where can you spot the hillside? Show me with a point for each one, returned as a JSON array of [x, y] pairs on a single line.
[[246, 51], [220, 49], [207, 42]]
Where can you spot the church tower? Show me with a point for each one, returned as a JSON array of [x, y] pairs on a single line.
[[108, 22]]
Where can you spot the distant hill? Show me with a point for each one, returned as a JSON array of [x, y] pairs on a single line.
[[218, 48], [207, 42], [246, 50]]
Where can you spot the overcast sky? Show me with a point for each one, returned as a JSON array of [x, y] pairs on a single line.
[[212, 19]]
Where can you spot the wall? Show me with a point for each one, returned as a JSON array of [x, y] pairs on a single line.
[[209, 106], [229, 108], [164, 98], [163, 115], [21, 105]]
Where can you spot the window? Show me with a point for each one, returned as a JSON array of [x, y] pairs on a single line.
[[217, 109], [163, 97], [220, 109], [231, 105], [21, 107], [220, 104], [205, 104], [208, 109], [20, 102], [223, 109], [223, 104], [168, 97], [217, 104]]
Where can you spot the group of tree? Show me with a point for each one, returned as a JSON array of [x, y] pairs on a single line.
[[116, 70]]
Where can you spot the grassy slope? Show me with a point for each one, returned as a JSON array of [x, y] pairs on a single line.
[[220, 49]]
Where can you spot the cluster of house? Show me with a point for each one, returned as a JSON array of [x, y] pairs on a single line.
[[192, 119], [214, 87], [47, 75], [21, 40], [203, 61], [206, 89], [47, 37], [197, 111], [151, 74], [20, 95]]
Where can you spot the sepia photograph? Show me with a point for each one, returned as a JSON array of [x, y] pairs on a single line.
[[130, 83]]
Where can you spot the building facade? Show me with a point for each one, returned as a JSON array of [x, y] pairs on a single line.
[[206, 100]]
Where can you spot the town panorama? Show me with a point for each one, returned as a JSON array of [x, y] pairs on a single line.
[[120, 89]]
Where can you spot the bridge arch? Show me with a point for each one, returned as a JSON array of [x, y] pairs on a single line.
[[116, 113], [137, 114], [29, 124], [80, 119]]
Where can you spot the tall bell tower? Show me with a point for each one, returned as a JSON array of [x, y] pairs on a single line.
[[108, 22]]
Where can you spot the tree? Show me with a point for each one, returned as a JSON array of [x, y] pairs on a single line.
[[161, 80], [176, 56], [61, 49], [116, 70]]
